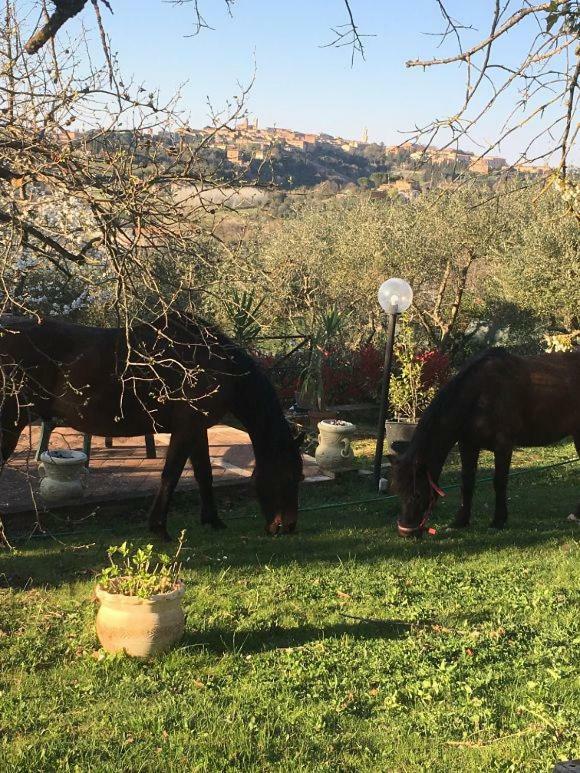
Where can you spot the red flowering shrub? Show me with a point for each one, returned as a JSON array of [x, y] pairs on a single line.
[[286, 377], [436, 368], [352, 376], [349, 376]]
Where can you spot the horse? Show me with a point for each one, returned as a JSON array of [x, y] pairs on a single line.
[[175, 374], [497, 401]]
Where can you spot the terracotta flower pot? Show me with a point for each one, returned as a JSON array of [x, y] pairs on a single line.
[[334, 452], [142, 627]]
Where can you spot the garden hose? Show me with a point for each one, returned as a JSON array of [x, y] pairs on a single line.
[[450, 486], [312, 508]]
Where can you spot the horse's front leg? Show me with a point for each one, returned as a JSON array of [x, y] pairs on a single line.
[[469, 458], [201, 463], [503, 460], [12, 426], [177, 453]]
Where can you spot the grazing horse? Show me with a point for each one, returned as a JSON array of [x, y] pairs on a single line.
[[172, 375], [496, 402]]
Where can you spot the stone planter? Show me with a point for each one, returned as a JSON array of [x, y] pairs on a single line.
[[396, 431], [140, 627], [334, 452], [64, 476]]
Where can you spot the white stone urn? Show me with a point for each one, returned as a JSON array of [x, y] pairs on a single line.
[[142, 627], [64, 476], [334, 452]]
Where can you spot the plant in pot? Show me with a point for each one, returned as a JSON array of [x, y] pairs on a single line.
[[326, 328], [415, 382], [333, 452], [140, 597]]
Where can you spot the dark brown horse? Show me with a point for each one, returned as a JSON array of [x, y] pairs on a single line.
[[173, 375], [498, 401]]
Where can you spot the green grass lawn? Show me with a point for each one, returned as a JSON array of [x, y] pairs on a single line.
[[342, 648]]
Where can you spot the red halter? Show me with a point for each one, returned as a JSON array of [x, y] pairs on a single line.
[[434, 493]]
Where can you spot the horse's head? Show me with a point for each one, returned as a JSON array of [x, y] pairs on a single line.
[[276, 480], [417, 491]]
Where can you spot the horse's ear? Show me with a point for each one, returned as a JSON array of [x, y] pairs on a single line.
[[299, 439]]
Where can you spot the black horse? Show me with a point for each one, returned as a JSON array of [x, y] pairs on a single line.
[[496, 402], [172, 375]]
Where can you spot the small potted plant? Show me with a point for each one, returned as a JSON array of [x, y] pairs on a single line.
[[415, 382], [326, 328], [140, 597]]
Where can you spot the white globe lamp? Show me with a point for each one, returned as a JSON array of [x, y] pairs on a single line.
[[395, 296]]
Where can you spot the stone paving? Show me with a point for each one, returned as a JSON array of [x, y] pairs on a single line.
[[123, 471]]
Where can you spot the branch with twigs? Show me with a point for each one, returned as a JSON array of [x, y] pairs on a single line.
[[545, 76]]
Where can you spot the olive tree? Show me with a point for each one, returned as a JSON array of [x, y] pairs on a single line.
[[538, 269], [337, 254]]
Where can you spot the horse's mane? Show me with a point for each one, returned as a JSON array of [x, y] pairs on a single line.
[[453, 398], [453, 394]]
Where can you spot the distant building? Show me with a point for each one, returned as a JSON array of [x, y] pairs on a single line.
[[487, 164], [532, 169], [296, 142], [408, 189], [66, 135], [233, 155], [449, 155], [405, 186]]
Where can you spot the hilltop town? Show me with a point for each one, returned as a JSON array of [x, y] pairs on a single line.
[[287, 159], [249, 144]]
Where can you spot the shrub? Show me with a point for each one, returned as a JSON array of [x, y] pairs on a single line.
[[140, 572], [349, 375], [352, 376], [418, 376]]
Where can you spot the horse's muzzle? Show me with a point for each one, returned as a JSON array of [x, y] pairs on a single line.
[[280, 526], [409, 531]]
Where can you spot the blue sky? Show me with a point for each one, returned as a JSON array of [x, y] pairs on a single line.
[[298, 83]]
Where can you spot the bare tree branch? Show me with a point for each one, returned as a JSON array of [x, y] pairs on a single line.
[[464, 56], [63, 11]]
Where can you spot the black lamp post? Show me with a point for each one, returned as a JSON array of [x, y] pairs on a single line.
[[395, 297]]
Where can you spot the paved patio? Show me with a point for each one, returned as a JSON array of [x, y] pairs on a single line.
[[124, 472]]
